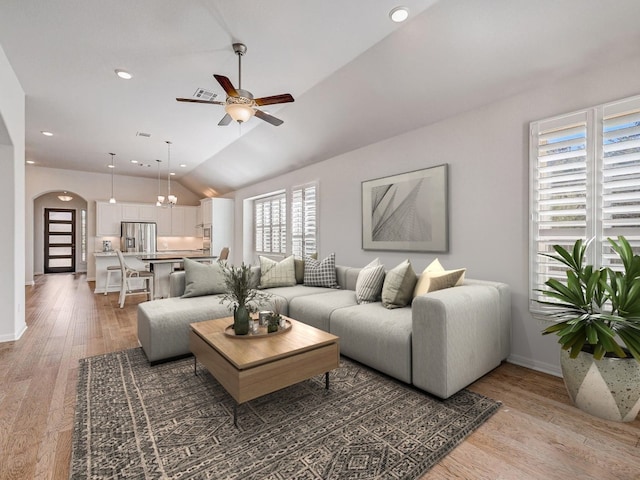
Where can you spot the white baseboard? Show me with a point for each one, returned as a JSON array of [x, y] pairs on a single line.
[[13, 338], [535, 365], [29, 284]]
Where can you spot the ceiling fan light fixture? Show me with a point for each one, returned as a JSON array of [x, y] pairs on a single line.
[[239, 112], [399, 14]]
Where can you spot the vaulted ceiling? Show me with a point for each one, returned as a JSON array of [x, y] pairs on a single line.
[[356, 77]]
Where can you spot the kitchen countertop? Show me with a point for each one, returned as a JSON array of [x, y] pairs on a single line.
[[170, 253]]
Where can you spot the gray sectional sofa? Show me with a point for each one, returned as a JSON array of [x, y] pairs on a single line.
[[444, 341]]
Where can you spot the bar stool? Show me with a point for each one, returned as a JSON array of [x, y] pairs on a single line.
[[110, 268], [129, 273]]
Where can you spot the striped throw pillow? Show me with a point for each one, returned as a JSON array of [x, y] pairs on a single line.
[[369, 282]]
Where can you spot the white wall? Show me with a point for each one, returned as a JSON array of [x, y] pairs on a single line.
[[487, 153], [12, 135], [91, 187]]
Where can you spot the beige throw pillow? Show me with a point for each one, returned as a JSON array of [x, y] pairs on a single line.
[[398, 286], [369, 282], [435, 277], [277, 274]]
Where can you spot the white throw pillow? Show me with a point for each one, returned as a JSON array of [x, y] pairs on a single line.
[[435, 277], [369, 282]]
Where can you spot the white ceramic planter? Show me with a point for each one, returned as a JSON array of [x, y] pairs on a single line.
[[607, 388]]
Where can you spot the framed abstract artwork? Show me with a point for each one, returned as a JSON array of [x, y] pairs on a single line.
[[408, 211]]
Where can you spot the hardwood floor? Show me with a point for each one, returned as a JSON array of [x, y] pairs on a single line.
[[536, 435]]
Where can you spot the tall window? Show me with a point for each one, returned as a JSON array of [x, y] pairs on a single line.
[[585, 183], [283, 233], [304, 221], [83, 235], [271, 224]]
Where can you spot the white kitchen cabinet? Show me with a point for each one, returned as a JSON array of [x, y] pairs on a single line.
[[217, 213], [206, 207], [147, 213], [108, 218], [178, 221], [183, 221], [139, 212], [164, 221]]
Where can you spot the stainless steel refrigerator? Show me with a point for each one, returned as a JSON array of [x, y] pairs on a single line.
[[138, 237]]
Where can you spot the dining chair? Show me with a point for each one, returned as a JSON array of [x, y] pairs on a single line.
[[127, 274]]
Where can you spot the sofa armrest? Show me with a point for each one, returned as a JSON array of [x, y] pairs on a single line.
[[456, 337], [177, 284]]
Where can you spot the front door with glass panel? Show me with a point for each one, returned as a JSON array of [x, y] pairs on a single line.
[[59, 240]]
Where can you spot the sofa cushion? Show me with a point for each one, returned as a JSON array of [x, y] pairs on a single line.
[[399, 283], [286, 294], [202, 279], [277, 274], [320, 273], [435, 277], [315, 310], [376, 336], [369, 282]]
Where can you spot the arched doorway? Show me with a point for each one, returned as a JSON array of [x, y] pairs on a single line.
[[60, 233]]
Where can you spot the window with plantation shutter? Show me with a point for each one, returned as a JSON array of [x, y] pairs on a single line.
[[620, 175], [585, 183], [271, 224], [303, 220]]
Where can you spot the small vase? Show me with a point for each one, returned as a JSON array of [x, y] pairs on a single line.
[[241, 320]]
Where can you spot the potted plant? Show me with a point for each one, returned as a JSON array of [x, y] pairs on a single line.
[[241, 295], [595, 310]]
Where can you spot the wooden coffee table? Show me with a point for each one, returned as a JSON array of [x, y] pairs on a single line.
[[248, 368]]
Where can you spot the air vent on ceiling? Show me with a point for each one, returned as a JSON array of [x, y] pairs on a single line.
[[202, 94], [143, 134]]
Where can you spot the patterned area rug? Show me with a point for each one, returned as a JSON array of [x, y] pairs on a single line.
[[134, 421]]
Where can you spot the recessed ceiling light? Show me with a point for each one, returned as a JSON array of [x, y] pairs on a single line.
[[123, 74], [134, 161], [30, 162], [46, 134], [109, 165], [183, 165], [399, 14], [172, 173]]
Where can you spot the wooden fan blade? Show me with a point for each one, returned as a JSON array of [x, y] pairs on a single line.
[[268, 118], [284, 98], [226, 85], [226, 120], [193, 100]]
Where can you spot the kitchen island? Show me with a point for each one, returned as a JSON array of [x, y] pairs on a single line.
[[161, 263]]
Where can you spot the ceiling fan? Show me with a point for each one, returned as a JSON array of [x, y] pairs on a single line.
[[240, 104]]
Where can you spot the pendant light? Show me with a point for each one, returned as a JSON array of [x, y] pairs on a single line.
[[169, 200], [160, 197], [172, 199], [113, 167]]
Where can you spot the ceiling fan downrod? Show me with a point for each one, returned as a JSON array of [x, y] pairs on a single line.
[[240, 49]]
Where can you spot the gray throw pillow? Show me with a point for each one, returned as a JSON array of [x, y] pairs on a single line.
[[202, 279], [397, 291], [320, 273]]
